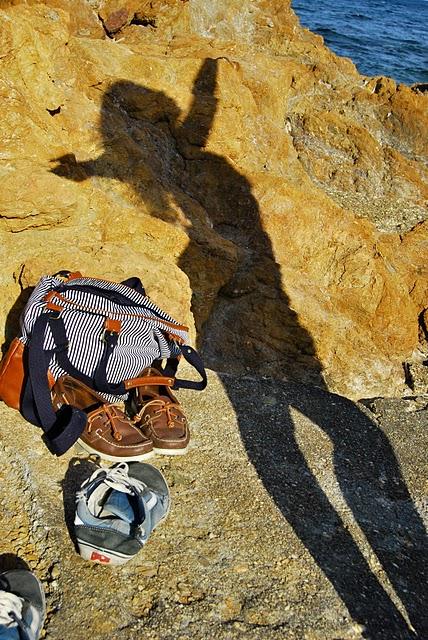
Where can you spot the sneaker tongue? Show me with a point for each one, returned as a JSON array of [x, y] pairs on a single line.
[[118, 504]]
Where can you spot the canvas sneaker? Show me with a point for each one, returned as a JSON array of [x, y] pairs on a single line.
[[22, 604], [117, 509], [160, 416]]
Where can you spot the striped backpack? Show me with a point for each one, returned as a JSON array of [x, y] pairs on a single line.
[[102, 333]]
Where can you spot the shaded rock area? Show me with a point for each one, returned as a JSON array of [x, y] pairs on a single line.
[[266, 193], [296, 514]]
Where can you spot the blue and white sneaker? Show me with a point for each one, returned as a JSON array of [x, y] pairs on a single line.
[[22, 605], [117, 509]]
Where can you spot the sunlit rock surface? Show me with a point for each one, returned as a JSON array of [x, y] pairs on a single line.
[[265, 192]]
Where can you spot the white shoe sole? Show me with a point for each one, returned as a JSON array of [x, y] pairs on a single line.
[[101, 556], [105, 456], [171, 452]]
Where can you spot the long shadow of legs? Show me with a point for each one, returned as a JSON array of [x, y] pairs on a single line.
[[370, 478], [268, 433]]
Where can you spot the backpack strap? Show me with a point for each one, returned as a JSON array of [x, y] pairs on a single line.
[[100, 376], [99, 381], [193, 358], [61, 428], [67, 275]]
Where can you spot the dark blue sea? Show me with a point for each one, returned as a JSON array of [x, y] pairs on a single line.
[[382, 37]]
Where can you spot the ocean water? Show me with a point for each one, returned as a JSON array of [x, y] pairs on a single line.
[[382, 37]]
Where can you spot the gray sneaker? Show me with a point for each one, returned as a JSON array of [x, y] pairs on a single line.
[[117, 509], [22, 604]]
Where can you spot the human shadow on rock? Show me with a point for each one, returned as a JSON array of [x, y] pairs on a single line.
[[236, 283], [369, 477], [245, 324]]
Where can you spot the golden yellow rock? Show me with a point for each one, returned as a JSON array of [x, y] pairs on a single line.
[[265, 192]]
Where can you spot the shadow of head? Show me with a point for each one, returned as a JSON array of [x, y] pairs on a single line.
[[137, 126], [128, 101], [131, 101], [127, 110], [131, 114]]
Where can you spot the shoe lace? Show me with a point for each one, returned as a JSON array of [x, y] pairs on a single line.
[[163, 406], [116, 478], [105, 408]]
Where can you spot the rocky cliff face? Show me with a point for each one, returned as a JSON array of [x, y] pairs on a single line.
[[265, 192]]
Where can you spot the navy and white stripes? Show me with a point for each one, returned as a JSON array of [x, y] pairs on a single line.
[[147, 333]]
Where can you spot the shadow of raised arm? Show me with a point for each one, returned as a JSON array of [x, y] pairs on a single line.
[[196, 128]]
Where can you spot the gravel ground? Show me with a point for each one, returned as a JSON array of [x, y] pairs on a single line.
[[297, 514]]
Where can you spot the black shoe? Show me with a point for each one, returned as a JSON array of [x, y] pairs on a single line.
[[22, 603]]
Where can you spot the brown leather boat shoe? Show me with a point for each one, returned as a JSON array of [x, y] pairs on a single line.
[[108, 432], [160, 416]]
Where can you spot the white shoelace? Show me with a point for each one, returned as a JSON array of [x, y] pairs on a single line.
[[117, 478], [9, 603]]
